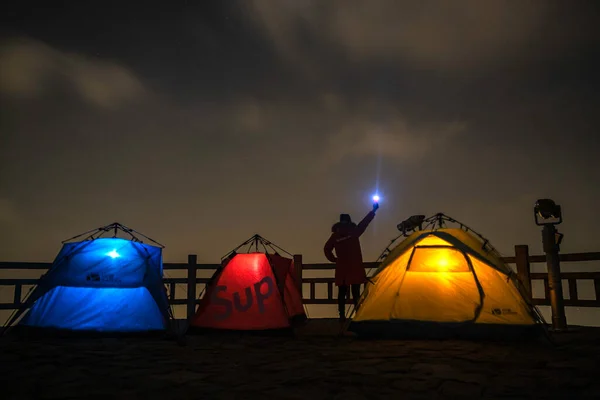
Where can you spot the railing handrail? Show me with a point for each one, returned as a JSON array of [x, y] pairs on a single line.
[[564, 257]]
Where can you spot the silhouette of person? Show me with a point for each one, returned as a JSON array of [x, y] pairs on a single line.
[[349, 269]]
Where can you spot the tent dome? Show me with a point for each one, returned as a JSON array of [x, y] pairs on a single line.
[[101, 285], [254, 291], [442, 282]]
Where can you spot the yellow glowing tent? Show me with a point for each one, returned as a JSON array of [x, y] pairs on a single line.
[[444, 282]]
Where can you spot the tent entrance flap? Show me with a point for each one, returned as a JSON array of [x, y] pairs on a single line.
[[426, 296], [438, 286]]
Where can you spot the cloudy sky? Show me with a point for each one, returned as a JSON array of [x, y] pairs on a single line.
[[202, 123]]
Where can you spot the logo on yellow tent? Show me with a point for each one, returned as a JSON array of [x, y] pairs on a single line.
[[503, 311]]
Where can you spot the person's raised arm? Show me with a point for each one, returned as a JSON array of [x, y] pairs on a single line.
[[362, 225]]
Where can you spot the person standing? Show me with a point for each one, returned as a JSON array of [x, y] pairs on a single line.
[[349, 268]]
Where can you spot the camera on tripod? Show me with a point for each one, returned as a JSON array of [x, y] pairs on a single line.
[[411, 224]]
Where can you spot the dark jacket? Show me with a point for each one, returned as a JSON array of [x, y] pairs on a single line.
[[345, 241]]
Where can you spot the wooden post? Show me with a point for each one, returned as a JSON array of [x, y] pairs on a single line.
[[191, 285], [523, 268], [298, 270], [17, 295]]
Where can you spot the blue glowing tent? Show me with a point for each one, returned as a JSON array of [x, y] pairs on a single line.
[[101, 285]]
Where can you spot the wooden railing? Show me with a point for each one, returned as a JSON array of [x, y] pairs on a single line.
[[522, 260]]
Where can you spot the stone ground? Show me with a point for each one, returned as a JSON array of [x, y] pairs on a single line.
[[314, 365]]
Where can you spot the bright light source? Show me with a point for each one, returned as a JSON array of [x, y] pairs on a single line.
[[376, 198], [113, 254], [443, 262]]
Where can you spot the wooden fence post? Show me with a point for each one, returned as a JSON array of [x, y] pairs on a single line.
[[523, 268], [191, 285], [298, 270]]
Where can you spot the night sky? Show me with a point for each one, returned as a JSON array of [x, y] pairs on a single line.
[[201, 123]]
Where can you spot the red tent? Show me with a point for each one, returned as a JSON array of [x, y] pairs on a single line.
[[251, 292]]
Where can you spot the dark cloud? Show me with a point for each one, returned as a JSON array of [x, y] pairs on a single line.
[[222, 119], [30, 68]]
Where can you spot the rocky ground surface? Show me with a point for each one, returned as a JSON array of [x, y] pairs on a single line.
[[314, 365]]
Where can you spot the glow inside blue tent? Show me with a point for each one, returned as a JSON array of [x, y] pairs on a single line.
[[107, 262], [96, 309], [113, 254]]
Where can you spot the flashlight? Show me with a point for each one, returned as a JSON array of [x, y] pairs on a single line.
[[375, 199]]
